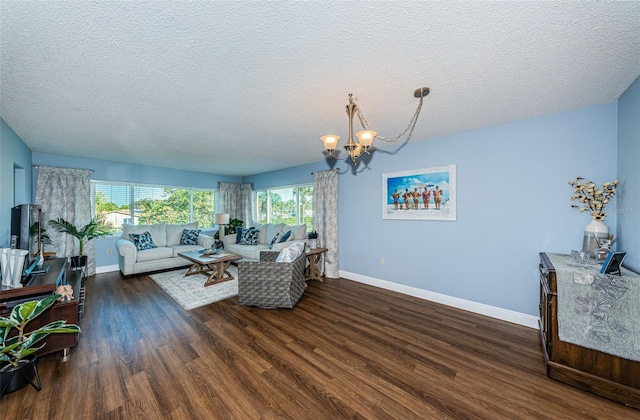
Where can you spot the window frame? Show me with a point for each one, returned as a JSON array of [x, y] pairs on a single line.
[[132, 194], [299, 213]]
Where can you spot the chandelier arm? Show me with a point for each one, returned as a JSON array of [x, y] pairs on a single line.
[[411, 126]]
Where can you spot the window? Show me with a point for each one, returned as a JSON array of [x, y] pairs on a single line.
[[124, 203], [290, 205]]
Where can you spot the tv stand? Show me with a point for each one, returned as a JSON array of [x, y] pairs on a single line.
[[40, 286]]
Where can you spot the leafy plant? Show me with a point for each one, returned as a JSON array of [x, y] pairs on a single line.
[[96, 228], [15, 348], [312, 235], [231, 227]]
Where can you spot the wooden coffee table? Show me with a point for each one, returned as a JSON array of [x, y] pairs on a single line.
[[215, 265]]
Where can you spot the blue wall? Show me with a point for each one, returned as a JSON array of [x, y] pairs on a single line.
[[629, 175], [513, 202], [12, 152]]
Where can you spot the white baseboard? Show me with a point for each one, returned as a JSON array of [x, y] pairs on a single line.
[[467, 305], [107, 269]]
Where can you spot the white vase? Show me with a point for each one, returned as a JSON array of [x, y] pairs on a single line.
[[598, 229]]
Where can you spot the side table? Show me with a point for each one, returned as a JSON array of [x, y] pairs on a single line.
[[313, 271]]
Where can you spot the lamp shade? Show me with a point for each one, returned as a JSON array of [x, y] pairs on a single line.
[[330, 141], [222, 219], [366, 137]]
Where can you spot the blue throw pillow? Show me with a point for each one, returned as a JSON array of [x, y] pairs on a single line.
[[285, 237], [239, 234], [190, 236], [273, 241], [142, 241]]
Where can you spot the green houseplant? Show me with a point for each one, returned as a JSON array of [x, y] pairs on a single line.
[[17, 358], [96, 228]]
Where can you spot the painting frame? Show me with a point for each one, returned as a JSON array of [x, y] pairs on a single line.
[[436, 189]]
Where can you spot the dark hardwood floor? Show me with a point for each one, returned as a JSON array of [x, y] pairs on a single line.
[[346, 350]]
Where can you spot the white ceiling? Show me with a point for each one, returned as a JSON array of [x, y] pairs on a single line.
[[244, 87]]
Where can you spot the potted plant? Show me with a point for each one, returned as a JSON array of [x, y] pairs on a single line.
[[313, 237], [96, 228], [230, 228], [17, 358]]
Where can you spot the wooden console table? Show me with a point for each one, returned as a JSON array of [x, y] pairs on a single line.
[[604, 374], [40, 286], [313, 271]]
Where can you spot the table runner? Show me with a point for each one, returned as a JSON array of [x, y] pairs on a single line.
[[603, 315]]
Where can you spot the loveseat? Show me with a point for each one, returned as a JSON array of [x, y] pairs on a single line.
[[266, 235], [166, 240]]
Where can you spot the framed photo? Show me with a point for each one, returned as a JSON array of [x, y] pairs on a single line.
[[421, 194], [612, 263]]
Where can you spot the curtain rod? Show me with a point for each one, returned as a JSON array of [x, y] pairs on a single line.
[[62, 167]]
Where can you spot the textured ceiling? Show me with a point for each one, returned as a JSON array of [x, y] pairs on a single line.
[[240, 88]]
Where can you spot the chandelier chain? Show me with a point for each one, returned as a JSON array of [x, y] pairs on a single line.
[[409, 128]]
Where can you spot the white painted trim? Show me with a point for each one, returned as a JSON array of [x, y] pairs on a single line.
[[107, 269], [467, 305]]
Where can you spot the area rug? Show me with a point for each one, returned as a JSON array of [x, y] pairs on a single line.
[[189, 291]]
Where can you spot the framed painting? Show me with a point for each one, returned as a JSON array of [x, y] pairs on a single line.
[[422, 194]]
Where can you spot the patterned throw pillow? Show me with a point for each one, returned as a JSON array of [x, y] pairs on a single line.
[[273, 241], [190, 236], [142, 241], [250, 236]]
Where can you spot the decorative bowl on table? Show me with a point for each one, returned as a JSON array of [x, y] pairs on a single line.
[[210, 252]]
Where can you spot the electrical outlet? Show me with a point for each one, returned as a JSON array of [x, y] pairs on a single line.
[[109, 251], [381, 261]]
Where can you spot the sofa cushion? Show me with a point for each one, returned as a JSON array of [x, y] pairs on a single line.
[[290, 253], [177, 249], [190, 236], [285, 237], [250, 236], [174, 232], [142, 241], [273, 230], [154, 254], [299, 232], [262, 236], [158, 232]]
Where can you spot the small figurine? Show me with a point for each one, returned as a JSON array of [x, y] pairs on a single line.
[[66, 293]]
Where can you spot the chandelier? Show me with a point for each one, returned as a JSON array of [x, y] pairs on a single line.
[[366, 136]]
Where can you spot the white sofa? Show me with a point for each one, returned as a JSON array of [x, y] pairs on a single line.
[[266, 235], [166, 238]]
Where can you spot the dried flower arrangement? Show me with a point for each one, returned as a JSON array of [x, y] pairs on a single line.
[[592, 199]]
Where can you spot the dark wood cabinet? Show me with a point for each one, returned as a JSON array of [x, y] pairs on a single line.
[[41, 285], [610, 376]]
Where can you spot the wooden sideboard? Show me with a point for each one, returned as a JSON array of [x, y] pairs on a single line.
[[41, 285], [610, 376]]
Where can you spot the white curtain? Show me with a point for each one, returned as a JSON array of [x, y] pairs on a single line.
[[235, 199], [66, 193], [325, 218]]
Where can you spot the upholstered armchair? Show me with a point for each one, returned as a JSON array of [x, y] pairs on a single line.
[[269, 284]]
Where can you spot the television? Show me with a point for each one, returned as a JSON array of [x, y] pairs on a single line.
[[26, 231]]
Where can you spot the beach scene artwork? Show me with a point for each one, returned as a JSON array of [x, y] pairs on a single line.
[[421, 194]]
